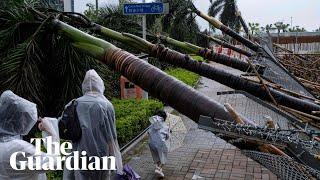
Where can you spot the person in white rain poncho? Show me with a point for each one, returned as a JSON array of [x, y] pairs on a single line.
[[97, 120], [158, 135], [17, 117]]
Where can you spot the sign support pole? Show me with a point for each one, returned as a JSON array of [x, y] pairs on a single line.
[[143, 9], [144, 25]]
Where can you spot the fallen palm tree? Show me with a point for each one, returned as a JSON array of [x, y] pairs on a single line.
[[173, 57], [232, 81], [157, 83], [145, 46], [274, 70], [211, 55], [227, 45], [243, 23], [160, 85], [225, 29], [135, 69]]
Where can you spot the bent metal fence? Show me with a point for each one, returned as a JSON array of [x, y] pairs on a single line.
[[283, 167], [274, 70]]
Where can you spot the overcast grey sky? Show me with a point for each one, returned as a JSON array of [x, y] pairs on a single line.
[[305, 13]]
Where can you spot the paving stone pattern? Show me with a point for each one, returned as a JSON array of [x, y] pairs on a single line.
[[202, 155]]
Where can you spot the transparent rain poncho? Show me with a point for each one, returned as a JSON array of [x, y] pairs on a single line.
[[97, 119], [17, 115], [158, 134]]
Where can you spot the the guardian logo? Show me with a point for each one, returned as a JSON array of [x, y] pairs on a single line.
[[56, 155]]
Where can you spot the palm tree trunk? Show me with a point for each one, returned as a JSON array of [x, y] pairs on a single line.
[[230, 80], [204, 69], [216, 23], [244, 25], [227, 45], [210, 55], [146, 46], [160, 85]]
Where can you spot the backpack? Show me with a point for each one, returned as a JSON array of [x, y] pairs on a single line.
[[69, 125]]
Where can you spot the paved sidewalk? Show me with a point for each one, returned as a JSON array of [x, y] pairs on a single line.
[[203, 154]]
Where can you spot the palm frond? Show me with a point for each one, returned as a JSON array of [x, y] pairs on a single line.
[[217, 3], [213, 11], [40, 65], [19, 71]]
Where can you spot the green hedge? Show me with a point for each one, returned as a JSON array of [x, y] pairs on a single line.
[[183, 75], [132, 117]]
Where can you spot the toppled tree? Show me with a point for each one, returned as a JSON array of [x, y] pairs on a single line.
[[160, 85]]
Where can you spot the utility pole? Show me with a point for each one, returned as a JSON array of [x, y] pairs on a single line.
[[144, 24], [291, 22], [97, 6]]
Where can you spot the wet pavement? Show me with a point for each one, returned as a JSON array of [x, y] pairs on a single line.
[[203, 155]]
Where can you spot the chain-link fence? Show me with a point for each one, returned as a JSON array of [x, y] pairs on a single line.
[[283, 167], [275, 72]]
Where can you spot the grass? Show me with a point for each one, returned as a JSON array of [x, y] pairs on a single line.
[[183, 75], [197, 58]]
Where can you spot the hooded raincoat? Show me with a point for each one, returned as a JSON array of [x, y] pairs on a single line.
[[158, 134], [97, 119], [17, 117]]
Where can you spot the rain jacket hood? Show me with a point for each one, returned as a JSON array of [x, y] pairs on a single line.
[[97, 120], [17, 115], [92, 83]]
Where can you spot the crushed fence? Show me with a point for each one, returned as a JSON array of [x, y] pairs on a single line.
[[283, 167]]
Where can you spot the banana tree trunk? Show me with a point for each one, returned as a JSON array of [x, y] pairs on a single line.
[[160, 85]]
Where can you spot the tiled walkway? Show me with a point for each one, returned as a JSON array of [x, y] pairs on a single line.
[[203, 155]]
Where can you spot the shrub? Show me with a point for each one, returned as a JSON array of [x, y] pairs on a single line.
[[132, 117], [183, 75]]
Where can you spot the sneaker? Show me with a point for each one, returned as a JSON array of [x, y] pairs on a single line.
[[159, 172]]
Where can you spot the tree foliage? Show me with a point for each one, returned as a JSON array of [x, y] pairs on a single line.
[[297, 29], [179, 23], [40, 65], [281, 26], [226, 9], [254, 27]]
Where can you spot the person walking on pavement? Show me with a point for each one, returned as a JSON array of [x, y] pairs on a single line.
[[158, 135]]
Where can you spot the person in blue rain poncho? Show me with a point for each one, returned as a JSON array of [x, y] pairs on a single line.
[[17, 117], [158, 135], [97, 120]]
